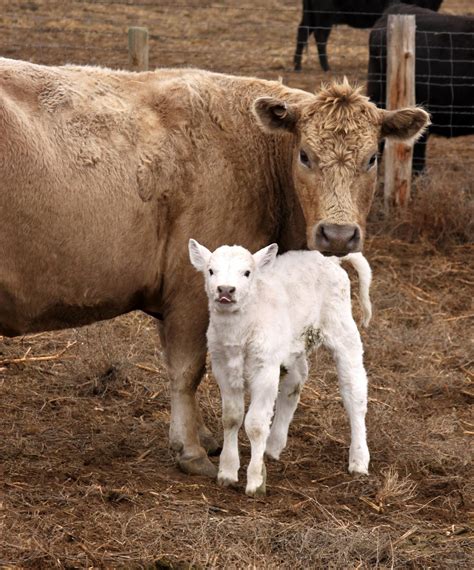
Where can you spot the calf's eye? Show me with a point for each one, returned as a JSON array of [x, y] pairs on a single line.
[[247, 274], [304, 159], [211, 272]]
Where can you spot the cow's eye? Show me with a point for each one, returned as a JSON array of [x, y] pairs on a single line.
[[211, 272], [372, 161], [247, 274], [304, 159]]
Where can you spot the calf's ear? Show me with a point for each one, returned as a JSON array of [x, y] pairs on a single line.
[[199, 255], [404, 124], [274, 114], [265, 256]]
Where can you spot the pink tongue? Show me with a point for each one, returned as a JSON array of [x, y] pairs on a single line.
[[225, 300]]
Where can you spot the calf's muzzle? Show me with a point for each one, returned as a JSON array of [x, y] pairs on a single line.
[[337, 239]]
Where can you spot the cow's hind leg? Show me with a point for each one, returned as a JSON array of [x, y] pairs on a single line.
[[207, 440], [301, 41], [321, 35], [291, 384], [184, 343]]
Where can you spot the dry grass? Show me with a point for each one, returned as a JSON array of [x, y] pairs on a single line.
[[441, 212], [87, 478]]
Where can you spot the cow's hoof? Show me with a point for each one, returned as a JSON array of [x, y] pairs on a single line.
[[210, 443], [197, 466]]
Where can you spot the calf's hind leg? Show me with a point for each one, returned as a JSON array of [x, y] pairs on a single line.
[[345, 343], [184, 343], [291, 384]]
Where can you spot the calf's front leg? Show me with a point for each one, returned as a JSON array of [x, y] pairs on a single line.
[[263, 393], [229, 376]]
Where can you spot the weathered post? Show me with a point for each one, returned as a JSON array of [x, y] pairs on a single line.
[[138, 49], [400, 93]]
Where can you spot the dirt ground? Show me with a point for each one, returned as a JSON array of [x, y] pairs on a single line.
[[87, 479]]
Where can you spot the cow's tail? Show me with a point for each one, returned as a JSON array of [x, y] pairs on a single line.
[[361, 265]]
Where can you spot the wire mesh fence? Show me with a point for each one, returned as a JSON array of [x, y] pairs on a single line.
[[241, 38]]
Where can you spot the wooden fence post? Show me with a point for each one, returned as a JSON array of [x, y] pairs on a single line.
[[400, 93], [138, 49]]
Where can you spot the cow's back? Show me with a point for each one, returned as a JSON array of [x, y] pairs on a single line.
[[107, 174]]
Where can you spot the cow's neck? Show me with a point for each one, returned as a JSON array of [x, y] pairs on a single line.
[[290, 230]]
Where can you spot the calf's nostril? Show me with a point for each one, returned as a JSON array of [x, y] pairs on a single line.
[[225, 289]]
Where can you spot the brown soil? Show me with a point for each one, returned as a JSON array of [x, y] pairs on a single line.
[[87, 478]]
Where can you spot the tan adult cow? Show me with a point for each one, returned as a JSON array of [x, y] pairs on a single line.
[[105, 175]]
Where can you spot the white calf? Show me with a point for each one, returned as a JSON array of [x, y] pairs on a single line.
[[266, 314]]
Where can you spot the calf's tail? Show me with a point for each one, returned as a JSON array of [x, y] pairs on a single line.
[[361, 265]]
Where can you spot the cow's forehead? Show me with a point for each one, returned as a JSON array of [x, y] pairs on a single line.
[[340, 110]]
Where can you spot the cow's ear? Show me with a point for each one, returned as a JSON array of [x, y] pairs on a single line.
[[404, 124], [275, 114], [199, 255], [265, 256]]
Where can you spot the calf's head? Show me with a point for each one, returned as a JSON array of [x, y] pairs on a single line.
[[336, 134], [229, 272]]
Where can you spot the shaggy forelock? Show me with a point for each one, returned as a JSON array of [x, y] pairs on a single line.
[[341, 106]]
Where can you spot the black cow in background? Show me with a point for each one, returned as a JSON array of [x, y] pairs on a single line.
[[320, 15], [444, 72]]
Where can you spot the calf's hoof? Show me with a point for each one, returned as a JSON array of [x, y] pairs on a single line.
[[227, 481], [274, 451], [261, 490], [358, 469], [200, 465], [359, 462]]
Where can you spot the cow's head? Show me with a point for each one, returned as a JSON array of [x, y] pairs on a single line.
[[336, 134]]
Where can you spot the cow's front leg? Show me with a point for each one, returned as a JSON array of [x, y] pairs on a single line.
[[291, 384], [263, 393], [229, 376], [184, 342]]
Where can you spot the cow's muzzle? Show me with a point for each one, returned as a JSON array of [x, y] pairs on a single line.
[[337, 239]]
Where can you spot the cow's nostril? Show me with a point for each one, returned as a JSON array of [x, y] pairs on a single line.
[[337, 239], [323, 234], [219, 289], [354, 239], [231, 289]]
